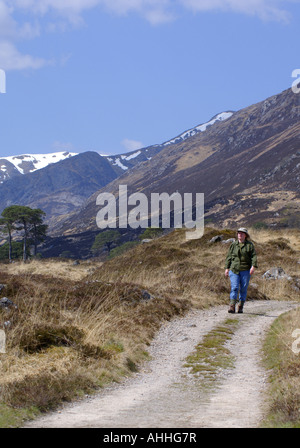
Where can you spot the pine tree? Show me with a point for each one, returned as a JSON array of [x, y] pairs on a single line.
[[26, 219]]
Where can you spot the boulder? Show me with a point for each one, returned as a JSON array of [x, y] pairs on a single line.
[[146, 295], [230, 240], [6, 303], [216, 239], [276, 274]]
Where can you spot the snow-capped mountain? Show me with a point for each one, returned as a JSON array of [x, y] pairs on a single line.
[[61, 182], [200, 128], [13, 166], [58, 188], [245, 163], [28, 163], [123, 162]]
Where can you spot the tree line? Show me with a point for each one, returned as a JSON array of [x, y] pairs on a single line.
[[26, 221]]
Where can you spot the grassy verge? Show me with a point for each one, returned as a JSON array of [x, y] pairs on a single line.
[[211, 355], [12, 417], [282, 358]]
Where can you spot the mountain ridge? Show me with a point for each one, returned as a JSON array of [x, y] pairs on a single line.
[[247, 167], [11, 166], [30, 179]]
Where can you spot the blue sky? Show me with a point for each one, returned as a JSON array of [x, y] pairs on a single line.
[[113, 76]]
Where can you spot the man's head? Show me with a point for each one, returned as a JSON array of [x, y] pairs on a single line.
[[243, 234]]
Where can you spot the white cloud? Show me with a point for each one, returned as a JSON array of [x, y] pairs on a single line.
[[67, 8], [160, 11], [159, 16], [154, 11], [132, 145], [9, 28], [12, 59], [27, 19], [21, 19], [264, 9]]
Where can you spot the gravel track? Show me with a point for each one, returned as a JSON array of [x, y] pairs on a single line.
[[165, 395]]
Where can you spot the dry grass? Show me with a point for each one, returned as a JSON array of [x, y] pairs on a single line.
[[67, 338], [282, 357], [79, 327], [292, 237], [52, 268]]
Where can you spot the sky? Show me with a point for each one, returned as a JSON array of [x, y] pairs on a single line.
[[113, 76]]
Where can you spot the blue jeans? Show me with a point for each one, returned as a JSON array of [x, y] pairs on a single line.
[[239, 284]]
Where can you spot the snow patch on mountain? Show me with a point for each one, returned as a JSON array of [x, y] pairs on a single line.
[[201, 128], [117, 160], [27, 163], [132, 156]]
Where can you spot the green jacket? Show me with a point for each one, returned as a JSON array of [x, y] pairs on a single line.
[[241, 257]]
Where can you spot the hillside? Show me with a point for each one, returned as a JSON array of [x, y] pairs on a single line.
[[247, 166]]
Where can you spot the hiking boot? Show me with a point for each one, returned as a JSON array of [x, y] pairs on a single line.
[[232, 307], [240, 308]]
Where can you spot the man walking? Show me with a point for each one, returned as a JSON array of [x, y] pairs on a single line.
[[240, 264]]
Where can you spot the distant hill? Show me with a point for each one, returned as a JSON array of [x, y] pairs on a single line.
[[58, 188]]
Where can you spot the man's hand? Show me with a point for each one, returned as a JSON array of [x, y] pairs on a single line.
[[226, 272], [252, 270]]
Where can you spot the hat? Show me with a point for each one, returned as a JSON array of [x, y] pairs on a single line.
[[244, 230]]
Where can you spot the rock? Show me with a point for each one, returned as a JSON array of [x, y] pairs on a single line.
[[296, 285], [275, 274], [6, 303], [216, 239], [146, 295], [146, 240], [230, 240]]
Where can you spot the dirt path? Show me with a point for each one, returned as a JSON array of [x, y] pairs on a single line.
[[164, 395]]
